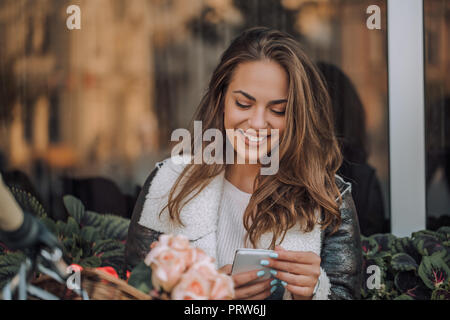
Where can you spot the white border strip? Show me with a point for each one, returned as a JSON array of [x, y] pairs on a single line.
[[406, 116]]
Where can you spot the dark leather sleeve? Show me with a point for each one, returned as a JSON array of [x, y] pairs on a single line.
[[341, 253], [139, 237]]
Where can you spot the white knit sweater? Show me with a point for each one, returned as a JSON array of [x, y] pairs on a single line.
[[230, 228]]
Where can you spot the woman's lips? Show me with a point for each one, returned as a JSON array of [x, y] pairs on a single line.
[[252, 140]]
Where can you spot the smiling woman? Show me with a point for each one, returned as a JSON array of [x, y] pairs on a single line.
[[305, 212], [255, 103]]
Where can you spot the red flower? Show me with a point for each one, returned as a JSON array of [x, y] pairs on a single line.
[[109, 270], [76, 267]]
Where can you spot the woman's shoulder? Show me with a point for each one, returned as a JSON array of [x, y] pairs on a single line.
[[347, 206], [344, 187], [175, 164]]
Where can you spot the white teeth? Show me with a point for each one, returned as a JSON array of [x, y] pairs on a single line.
[[252, 138]]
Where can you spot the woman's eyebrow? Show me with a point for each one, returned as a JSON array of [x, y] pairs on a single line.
[[273, 102]]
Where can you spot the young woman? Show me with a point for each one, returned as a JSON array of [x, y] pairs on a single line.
[[304, 211]]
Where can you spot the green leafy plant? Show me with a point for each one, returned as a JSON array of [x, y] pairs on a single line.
[[140, 278], [415, 267], [88, 239], [9, 265], [91, 239]]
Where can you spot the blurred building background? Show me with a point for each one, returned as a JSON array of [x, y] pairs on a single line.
[[101, 102], [437, 111]]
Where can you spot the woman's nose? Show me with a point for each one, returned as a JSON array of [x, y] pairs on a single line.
[[257, 119]]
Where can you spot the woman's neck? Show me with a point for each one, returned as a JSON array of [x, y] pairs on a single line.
[[242, 175]]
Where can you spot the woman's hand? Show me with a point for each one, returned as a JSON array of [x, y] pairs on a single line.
[[244, 290], [298, 271]]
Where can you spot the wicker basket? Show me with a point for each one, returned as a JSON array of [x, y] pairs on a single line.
[[99, 285]]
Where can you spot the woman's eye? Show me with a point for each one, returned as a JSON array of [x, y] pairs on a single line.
[[280, 113], [240, 105]]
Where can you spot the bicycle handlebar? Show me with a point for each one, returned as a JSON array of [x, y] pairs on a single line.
[[21, 230]]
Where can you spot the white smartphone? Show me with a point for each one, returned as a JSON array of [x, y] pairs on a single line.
[[250, 259]]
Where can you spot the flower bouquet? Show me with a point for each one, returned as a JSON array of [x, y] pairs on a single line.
[[174, 270]]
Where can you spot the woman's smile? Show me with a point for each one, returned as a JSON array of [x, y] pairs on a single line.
[[252, 138]]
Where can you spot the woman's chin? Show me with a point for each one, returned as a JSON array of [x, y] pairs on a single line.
[[247, 160], [250, 156]]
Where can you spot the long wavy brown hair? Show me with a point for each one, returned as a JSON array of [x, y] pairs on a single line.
[[304, 190]]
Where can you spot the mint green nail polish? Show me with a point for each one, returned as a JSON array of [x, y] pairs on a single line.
[[260, 273], [273, 289], [273, 255], [264, 262], [273, 272], [274, 282], [284, 283]]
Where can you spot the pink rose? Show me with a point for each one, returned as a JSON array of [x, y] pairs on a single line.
[[186, 273], [169, 259], [222, 288], [198, 255], [179, 242], [167, 269], [196, 283]]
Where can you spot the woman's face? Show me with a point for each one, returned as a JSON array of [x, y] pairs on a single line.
[[255, 103]]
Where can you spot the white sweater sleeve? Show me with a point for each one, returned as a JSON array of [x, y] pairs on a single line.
[[323, 291]]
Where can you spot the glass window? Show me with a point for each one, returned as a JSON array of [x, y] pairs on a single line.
[[437, 112], [82, 109]]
